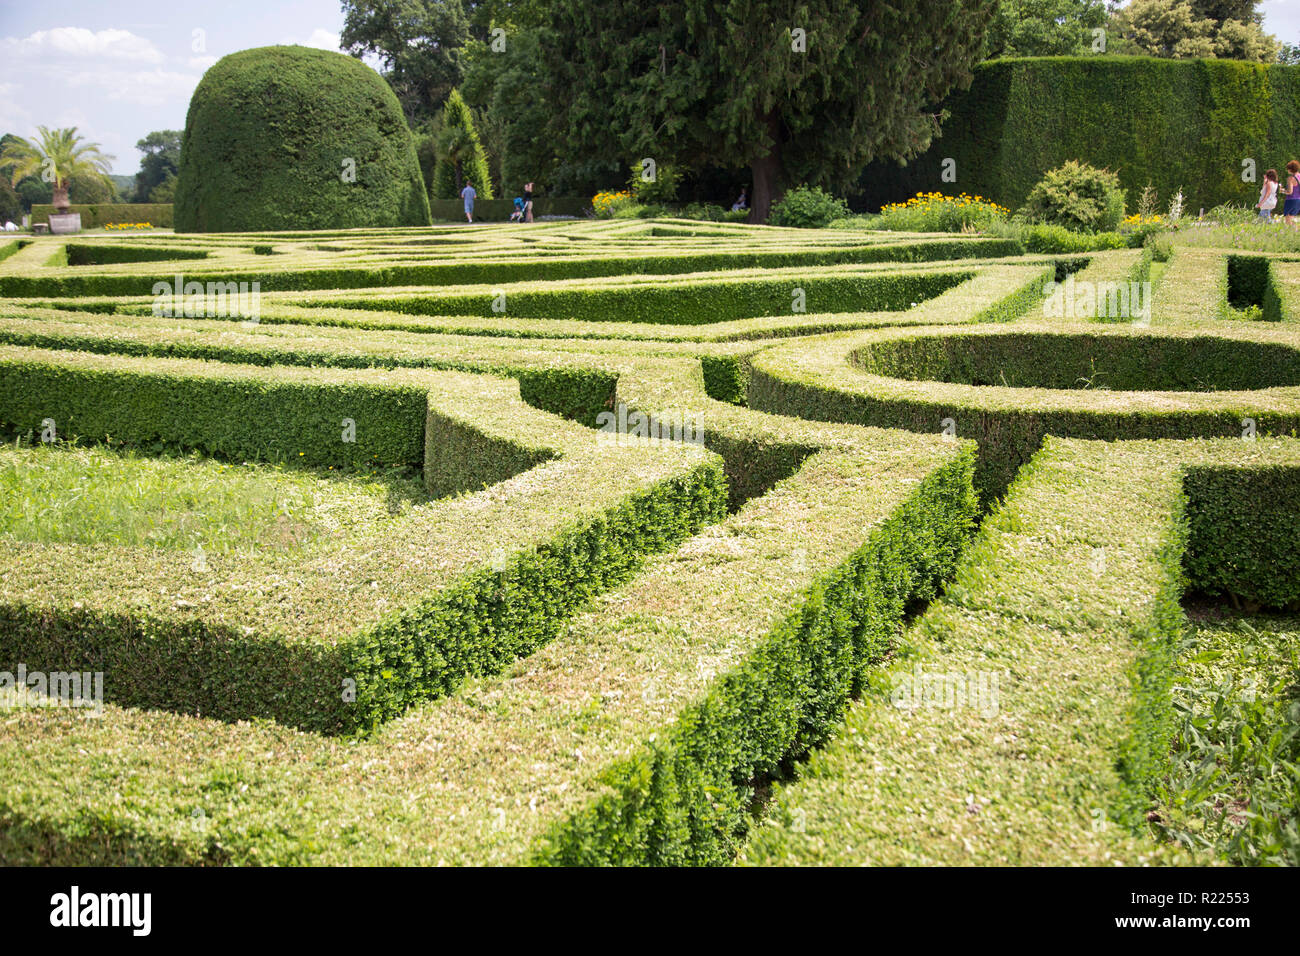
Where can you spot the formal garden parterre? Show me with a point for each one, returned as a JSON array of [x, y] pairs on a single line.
[[630, 542]]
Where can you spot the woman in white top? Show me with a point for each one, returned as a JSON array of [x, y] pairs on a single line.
[[1268, 196]]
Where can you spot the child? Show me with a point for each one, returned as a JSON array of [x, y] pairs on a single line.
[[518, 214], [1267, 196], [1291, 207]]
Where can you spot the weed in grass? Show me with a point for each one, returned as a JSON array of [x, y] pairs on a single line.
[[1234, 784]]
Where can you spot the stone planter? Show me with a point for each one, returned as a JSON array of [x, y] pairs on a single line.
[[68, 223]]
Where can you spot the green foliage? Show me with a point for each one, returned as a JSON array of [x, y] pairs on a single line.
[[58, 157], [1076, 196], [227, 414], [11, 204], [296, 138], [1149, 120], [91, 190], [691, 87], [626, 262], [1243, 529], [420, 43], [689, 302], [159, 166], [808, 207], [1194, 28], [660, 190], [459, 153], [1010, 426], [507, 87], [1055, 240], [936, 212], [1231, 787], [1044, 27]]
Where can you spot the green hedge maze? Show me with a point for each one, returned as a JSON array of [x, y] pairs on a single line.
[[628, 542]]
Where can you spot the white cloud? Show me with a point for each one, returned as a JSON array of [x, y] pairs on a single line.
[[14, 117], [80, 42], [320, 38], [142, 87]]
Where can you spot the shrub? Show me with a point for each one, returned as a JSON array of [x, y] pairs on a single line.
[[606, 201], [459, 155], [1161, 246], [1077, 196], [935, 212], [661, 189], [1052, 240], [707, 212], [808, 207], [273, 136]]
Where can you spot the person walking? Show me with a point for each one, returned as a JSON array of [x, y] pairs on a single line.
[[469, 195], [1291, 207], [528, 202], [1267, 196]]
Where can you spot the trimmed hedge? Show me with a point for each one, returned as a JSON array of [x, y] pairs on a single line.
[[695, 302], [273, 135], [1074, 606], [94, 215], [501, 271], [639, 765], [99, 253], [1173, 123], [1244, 531], [813, 379], [225, 411], [439, 612]]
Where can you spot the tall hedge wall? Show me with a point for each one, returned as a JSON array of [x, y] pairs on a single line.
[[269, 137], [1172, 123]]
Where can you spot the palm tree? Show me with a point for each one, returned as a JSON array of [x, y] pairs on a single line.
[[59, 155]]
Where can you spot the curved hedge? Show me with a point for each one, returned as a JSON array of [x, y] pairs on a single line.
[[1172, 123], [268, 138], [848, 377]]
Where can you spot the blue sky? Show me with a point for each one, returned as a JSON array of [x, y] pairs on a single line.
[[117, 69]]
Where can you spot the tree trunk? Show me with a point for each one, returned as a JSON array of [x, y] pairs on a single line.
[[767, 173], [60, 198]]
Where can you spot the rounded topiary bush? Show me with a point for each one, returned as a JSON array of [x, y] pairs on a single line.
[[289, 137], [1077, 196]]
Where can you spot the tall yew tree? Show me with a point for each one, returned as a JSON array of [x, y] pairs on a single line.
[[798, 92]]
